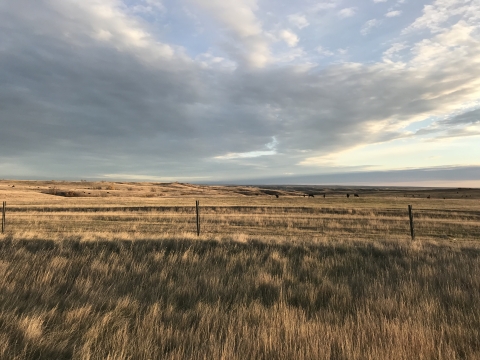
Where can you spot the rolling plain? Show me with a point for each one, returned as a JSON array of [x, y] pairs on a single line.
[[109, 270]]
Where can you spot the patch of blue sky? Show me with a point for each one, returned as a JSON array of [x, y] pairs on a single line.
[[175, 24], [341, 39], [194, 42], [422, 124]]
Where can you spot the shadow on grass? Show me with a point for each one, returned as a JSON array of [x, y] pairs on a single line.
[[55, 277], [132, 268]]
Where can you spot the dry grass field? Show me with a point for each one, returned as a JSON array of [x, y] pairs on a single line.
[[116, 271]]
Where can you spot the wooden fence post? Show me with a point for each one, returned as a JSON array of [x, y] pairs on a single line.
[[197, 205], [4, 205], [412, 227]]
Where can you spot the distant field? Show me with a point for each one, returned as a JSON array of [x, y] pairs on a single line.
[[121, 274], [102, 211]]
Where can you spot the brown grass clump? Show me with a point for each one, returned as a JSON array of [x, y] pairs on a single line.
[[58, 192]]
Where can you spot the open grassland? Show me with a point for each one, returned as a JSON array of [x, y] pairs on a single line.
[[193, 299], [122, 275], [103, 211]]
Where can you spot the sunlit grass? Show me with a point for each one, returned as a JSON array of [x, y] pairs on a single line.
[[192, 299], [126, 277]]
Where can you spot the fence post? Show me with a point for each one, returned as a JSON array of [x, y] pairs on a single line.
[[4, 205], [197, 205], [412, 228]]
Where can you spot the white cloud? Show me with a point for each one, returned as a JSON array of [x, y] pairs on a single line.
[[455, 43], [324, 5], [149, 7], [109, 21], [271, 150], [347, 12], [369, 25], [240, 19], [103, 35], [156, 4], [208, 60], [295, 56], [324, 52], [393, 50], [239, 16], [298, 20], [379, 1], [289, 37], [393, 13], [437, 14], [245, 155]]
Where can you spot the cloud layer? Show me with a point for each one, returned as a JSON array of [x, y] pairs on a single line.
[[230, 89]]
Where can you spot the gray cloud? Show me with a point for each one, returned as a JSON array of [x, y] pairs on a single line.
[[470, 117], [82, 94], [440, 176], [55, 92], [454, 126]]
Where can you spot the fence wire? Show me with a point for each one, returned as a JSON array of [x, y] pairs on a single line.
[[285, 221]]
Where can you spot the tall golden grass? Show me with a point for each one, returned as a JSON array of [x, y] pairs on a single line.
[[193, 299], [126, 277]]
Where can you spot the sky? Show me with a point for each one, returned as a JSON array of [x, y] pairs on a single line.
[[338, 91]]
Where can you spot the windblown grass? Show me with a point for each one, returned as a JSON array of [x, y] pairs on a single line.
[[192, 299], [122, 275]]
